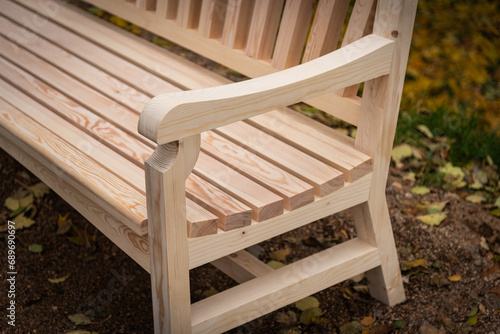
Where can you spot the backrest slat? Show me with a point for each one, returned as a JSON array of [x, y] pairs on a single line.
[[263, 28], [360, 24], [292, 33], [167, 9], [237, 23], [146, 4], [188, 13], [213, 13], [326, 28]]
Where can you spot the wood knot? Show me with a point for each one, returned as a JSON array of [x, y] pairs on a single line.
[[394, 33]]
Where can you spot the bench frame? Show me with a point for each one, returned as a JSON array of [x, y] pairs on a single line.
[[175, 121]]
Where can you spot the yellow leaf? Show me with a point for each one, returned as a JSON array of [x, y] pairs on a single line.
[[436, 207], [475, 198], [433, 219], [410, 176], [118, 21], [420, 190], [425, 130], [455, 278], [416, 263], [400, 153]]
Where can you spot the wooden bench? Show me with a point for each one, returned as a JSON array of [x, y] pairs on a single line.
[[212, 171]]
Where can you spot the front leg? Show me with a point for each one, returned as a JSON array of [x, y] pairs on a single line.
[[166, 173]]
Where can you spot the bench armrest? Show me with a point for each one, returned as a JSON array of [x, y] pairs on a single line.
[[173, 116]]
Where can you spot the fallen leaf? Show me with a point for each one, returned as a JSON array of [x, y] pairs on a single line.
[[287, 318], [362, 289], [280, 255], [472, 320], [439, 281], [416, 263], [79, 319], [382, 329], [484, 244], [351, 328], [401, 152], [427, 328], [436, 207], [497, 202], [309, 315], [58, 279], [275, 264], [495, 212], [492, 272], [63, 224], [358, 278], [453, 175], [209, 293], [421, 190], [425, 130], [399, 324], [77, 240], [23, 222], [11, 203], [476, 198], [26, 201], [368, 322], [409, 177], [397, 185], [454, 278], [39, 189], [433, 219], [308, 302], [118, 21], [35, 248]]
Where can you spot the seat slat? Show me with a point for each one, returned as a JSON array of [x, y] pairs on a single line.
[[324, 178], [99, 104], [76, 168], [263, 28], [310, 136], [85, 49], [264, 203], [237, 23], [72, 112], [231, 212], [92, 76], [326, 28], [200, 221], [292, 33], [294, 191]]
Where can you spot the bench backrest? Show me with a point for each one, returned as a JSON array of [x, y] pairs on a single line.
[[258, 37]]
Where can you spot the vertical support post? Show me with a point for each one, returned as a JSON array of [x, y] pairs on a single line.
[[166, 173], [377, 125]]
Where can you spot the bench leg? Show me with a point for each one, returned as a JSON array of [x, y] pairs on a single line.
[[168, 241], [373, 224]]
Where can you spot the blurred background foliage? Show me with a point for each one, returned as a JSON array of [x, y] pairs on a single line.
[[453, 76]]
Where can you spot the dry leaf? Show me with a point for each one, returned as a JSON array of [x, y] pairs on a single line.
[[425, 130], [401, 152], [368, 322], [308, 302], [58, 279], [280, 255], [433, 219], [275, 264], [416, 263], [39, 189], [79, 319], [436, 207], [476, 198], [455, 278], [23, 222], [420, 190]]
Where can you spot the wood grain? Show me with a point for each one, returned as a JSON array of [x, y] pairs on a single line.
[[237, 23], [231, 212], [296, 193], [324, 178], [317, 140], [292, 33], [264, 203]]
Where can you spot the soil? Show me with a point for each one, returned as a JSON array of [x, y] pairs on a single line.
[[114, 292]]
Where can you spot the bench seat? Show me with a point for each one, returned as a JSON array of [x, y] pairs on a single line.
[[78, 111]]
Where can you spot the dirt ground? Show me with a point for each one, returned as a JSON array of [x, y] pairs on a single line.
[[104, 284]]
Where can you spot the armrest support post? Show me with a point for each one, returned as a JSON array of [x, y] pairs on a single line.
[[166, 173]]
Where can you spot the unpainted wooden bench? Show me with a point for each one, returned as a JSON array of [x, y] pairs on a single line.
[[214, 167]]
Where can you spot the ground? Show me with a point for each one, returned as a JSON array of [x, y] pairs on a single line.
[[453, 286]]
